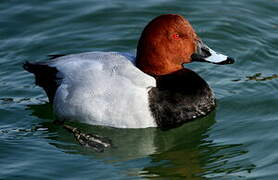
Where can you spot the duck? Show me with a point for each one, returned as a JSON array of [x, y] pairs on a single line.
[[116, 89]]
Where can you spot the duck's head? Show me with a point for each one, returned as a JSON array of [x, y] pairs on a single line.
[[168, 42]]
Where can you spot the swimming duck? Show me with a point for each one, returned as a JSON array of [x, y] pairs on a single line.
[[151, 89]]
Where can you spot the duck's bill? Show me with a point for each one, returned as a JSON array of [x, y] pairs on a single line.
[[205, 54]]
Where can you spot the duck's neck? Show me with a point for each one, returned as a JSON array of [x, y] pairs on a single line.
[[155, 67]]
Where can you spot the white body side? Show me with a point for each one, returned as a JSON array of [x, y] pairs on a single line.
[[103, 88]]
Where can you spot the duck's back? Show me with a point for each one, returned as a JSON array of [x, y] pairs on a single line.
[[102, 88]]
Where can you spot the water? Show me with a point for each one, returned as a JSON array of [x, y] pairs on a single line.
[[237, 141]]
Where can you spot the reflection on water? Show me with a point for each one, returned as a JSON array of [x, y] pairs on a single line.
[[43, 111], [195, 156], [184, 152]]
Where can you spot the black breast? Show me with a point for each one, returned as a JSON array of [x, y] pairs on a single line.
[[180, 97]]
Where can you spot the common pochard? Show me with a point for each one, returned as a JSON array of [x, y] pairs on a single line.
[[151, 89]]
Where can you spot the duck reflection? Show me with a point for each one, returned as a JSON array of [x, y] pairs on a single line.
[[183, 152]]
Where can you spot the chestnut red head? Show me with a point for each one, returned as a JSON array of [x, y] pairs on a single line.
[[168, 42]]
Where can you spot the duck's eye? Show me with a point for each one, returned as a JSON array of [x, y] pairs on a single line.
[[176, 36]]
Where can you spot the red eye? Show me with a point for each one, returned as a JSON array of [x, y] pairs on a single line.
[[176, 36]]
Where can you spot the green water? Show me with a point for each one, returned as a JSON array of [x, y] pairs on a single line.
[[237, 141]]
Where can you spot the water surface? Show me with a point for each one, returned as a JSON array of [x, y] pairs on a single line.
[[237, 141]]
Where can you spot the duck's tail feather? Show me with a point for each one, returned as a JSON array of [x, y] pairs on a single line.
[[28, 66], [45, 76]]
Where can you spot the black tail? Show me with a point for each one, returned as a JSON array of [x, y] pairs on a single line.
[[29, 67], [45, 76]]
